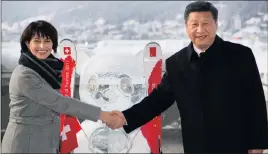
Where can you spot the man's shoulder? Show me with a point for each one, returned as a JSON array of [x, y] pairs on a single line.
[[178, 55], [239, 48], [238, 51]]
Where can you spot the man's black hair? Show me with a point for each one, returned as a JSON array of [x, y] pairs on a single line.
[[201, 6]]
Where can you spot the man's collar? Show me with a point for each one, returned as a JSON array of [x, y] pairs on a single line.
[[191, 51], [197, 50]]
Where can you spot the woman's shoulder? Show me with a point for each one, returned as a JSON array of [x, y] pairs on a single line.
[[23, 78], [21, 71]]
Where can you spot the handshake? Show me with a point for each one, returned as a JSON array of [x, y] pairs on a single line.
[[113, 119]]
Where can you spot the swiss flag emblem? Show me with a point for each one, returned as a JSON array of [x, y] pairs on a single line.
[[152, 51], [70, 126], [66, 50]]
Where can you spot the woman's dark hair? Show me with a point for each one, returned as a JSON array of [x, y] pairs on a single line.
[[201, 6], [42, 29]]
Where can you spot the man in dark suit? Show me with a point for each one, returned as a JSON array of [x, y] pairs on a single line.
[[218, 91]]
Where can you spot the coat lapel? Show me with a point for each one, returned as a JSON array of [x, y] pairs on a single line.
[[190, 66], [189, 71]]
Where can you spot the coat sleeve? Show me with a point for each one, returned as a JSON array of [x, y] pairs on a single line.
[[32, 87], [255, 103], [160, 99]]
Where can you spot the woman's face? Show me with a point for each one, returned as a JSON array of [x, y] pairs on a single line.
[[41, 47]]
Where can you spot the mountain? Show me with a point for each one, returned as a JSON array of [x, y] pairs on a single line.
[[89, 20]]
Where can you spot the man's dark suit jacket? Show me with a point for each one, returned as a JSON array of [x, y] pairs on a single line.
[[219, 96]]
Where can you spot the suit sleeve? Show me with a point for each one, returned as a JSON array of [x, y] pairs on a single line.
[[255, 103], [31, 86], [160, 99]]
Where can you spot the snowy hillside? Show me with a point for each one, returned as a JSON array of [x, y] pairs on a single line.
[[92, 21]]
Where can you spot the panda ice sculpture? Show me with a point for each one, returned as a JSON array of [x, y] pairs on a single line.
[[112, 82]]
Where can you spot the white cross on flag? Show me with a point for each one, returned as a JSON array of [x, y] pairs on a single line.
[[64, 132]]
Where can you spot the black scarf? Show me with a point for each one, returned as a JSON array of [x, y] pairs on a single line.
[[50, 68]]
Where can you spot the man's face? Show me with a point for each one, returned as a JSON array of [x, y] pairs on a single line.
[[201, 29]]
